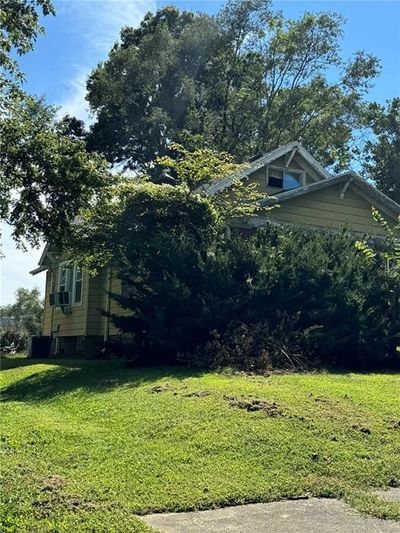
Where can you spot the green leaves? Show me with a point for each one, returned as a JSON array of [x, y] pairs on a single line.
[[46, 175], [243, 82], [19, 28], [132, 218], [198, 167], [180, 285], [382, 153], [129, 211]]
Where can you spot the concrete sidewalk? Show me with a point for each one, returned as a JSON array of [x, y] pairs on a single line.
[[292, 516]]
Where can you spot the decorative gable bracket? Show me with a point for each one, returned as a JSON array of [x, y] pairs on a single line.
[[289, 157], [344, 187]]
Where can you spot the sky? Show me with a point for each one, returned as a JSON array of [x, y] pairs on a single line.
[[83, 32]]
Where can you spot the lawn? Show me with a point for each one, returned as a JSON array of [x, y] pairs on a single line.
[[86, 446]]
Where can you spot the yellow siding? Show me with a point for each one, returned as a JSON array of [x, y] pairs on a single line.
[[326, 209], [48, 311], [54, 319], [96, 304], [86, 318]]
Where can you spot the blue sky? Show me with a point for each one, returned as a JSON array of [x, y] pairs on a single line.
[[84, 30]]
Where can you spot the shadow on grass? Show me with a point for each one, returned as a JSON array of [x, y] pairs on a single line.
[[90, 376]]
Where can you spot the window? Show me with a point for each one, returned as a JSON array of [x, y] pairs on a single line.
[[291, 180], [70, 279], [77, 285], [284, 179], [64, 278], [275, 178]]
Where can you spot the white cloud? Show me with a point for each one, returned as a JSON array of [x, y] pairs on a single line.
[[98, 24], [74, 102], [102, 20]]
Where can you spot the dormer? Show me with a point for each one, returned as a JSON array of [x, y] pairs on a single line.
[[286, 168]]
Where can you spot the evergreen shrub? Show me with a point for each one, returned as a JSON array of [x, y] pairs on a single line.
[[281, 298]]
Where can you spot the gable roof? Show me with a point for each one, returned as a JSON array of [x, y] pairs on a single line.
[[43, 261], [365, 189], [219, 185]]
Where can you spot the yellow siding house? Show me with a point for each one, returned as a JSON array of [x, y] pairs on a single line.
[[305, 193]]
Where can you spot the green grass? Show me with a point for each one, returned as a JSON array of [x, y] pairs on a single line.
[[87, 445]]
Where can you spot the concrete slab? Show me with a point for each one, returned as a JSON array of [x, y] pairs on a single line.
[[294, 516]]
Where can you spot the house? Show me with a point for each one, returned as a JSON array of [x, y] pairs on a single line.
[[305, 193]]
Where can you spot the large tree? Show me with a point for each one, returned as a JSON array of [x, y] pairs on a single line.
[[244, 81], [46, 173], [382, 152]]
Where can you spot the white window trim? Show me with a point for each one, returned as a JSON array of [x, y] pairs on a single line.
[[74, 270], [300, 173]]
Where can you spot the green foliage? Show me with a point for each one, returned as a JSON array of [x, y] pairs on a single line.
[[131, 218], [200, 167], [131, 221], [46, 175], [19, 28], [390, 248], [87, 445], [162, 59], [390, 252], [244, 82], [382, 153], [327, 282], [26, 312], [344, 303]]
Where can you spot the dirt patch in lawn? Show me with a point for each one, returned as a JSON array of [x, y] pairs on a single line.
[[158, 389], [269, 408], [52, 497], [53, 483], [197, 394]]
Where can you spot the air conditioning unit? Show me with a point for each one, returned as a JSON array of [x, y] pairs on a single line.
[[60, 299]]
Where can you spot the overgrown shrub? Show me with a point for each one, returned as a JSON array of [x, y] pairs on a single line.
[[324, 280], [256, 347], [345, 303]]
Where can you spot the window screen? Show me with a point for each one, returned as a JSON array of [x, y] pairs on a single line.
[[78, 285], [64, 278]]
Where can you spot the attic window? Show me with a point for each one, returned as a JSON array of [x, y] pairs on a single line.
[[291, 180], [284, 179]]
